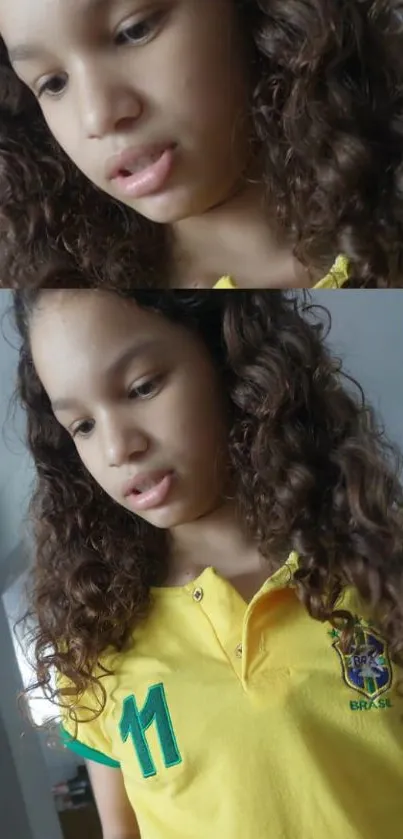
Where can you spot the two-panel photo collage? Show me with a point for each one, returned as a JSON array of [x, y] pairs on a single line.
[[201, 416]]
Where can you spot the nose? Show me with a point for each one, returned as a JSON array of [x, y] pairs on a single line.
[[123, 443], [105, 104]]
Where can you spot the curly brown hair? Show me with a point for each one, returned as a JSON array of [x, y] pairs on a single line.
[[327, 110], [312, 473]]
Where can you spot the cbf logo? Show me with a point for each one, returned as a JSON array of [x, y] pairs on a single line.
[[366, 665]]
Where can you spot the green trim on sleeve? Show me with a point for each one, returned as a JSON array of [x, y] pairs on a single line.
[[84, 751]]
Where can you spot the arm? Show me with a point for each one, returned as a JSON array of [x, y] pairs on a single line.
[[115, 811]]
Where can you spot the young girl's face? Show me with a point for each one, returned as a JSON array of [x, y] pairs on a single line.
[[141, 399], [163, 82]]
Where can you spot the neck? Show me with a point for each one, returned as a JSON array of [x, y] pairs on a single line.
[[241, 238], [217, 539]]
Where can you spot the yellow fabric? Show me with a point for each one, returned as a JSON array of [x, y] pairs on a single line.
[[336, 278], [280, 738]]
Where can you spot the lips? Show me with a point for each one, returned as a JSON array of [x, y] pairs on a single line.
[[149, 491], [144, 482], [142, 173], [132, 161], [141, 164]]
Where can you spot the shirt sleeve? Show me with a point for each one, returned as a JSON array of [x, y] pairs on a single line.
[[87, 737]]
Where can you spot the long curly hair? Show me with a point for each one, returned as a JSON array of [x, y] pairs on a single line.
[[312, 470], [327, 111]]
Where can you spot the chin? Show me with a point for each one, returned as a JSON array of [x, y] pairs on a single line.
[[163, 520], [175, 206], [173, 516]]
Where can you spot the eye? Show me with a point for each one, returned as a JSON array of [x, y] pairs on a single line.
[[83, 429], [139, 33], [52, 86], [145, 390]]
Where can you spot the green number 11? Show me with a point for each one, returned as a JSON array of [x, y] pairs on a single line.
[[135, 722]]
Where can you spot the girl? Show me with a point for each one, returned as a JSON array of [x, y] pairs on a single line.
[[218, 574], [174, 142]]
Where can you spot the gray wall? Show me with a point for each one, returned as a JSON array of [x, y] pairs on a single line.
[[368, 334], [60, 763], [14, 820], [15, 467], [23, 768]]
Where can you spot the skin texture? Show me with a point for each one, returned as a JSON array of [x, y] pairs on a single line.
[[159, 410], [119, 75], [129, 73], [163, 409], [115, 811], [274, 173]]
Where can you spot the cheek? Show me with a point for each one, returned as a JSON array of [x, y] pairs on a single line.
[[94, 466], [199, 428], [203, 72], [208, 90], [66, 130], [56, 125]]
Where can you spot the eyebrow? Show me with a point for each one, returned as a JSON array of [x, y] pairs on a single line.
[[119, 363], [30, 52]]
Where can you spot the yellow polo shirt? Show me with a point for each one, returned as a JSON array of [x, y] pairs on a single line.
[[336, 278], [244, 721]]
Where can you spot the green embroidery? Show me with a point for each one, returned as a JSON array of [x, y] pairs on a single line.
[[136, 722], [366, 667]]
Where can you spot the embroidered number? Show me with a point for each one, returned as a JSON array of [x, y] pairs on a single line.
[[136, 722]]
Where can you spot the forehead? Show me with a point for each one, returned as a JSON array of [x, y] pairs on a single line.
[[41, 8], [78, 314], [81, 332], [27, 20]]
